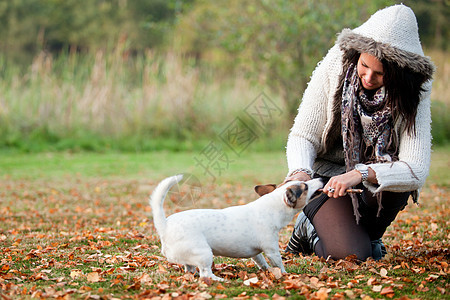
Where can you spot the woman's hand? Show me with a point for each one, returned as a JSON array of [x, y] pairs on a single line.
[[300, 176], [337, 185]]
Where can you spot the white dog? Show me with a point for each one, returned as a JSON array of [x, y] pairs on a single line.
[[192, 237]]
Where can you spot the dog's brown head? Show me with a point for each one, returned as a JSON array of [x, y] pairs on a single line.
[[297, 194]]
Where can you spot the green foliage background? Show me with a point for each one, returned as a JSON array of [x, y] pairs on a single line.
[[154, 74]]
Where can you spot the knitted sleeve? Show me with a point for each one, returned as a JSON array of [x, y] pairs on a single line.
[[306, 134], [410, 172]]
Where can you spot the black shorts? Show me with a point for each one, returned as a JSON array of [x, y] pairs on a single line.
[[373, 220]]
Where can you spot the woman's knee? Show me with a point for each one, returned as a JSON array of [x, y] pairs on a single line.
[[339, 234], [362, 250]]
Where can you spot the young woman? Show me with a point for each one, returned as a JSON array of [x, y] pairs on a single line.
[[364, 121]]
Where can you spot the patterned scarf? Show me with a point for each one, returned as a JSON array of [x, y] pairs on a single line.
[[367, 127]]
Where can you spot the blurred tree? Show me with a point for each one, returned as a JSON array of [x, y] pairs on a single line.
[[29, 26], [433, 17], [278, 41]]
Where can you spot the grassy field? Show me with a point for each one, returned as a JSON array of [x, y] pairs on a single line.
[[102, 101], [78, 225]]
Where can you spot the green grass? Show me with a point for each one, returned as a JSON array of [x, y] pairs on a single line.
[[439, 173], [247, 168], [271, 166], [102, 101]]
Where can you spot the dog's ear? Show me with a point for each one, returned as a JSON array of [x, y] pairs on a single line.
[[261, 190]]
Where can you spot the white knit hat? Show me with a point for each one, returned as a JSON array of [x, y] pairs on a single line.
[[392, 34], [395, 25]]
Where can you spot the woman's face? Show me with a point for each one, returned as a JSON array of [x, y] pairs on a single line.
[[370, 71]]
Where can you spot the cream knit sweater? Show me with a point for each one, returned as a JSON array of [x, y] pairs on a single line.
[[391, 33]]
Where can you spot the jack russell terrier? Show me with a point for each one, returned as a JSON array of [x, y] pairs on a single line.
[[193, 236]]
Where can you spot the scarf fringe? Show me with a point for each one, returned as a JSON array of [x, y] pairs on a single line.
[[377, 126]]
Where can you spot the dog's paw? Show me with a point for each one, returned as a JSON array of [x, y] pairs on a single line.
[[209, 279]]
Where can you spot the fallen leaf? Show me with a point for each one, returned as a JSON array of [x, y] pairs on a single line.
[[372, 281], [276, 272], [322, 293], [203, 295], [93, 277], [75, 273], [206, 281], [350, 294], [387, 291], [433, 226], [162, 269], [250, 281], [377, 288], [432, 277], [145, 279], [135, 286], [243, 275]]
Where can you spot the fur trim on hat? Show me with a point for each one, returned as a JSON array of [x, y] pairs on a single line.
[[348, 39]]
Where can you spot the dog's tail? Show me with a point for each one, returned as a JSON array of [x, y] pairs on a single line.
[[157, 201]]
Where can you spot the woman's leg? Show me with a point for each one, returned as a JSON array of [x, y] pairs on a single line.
[[334, 226], [391, 204], [339, 235]]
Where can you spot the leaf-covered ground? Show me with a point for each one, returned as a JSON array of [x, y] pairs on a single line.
[[77, 238]]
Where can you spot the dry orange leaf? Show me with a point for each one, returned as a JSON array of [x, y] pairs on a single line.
[[93, 277], [276, 272], [377, 288], [162, 269], [388, 292], [75, 273]]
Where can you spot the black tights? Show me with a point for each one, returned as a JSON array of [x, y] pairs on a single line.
[[340, 235]]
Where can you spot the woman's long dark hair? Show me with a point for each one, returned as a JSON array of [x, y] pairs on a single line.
[[403, 87]]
